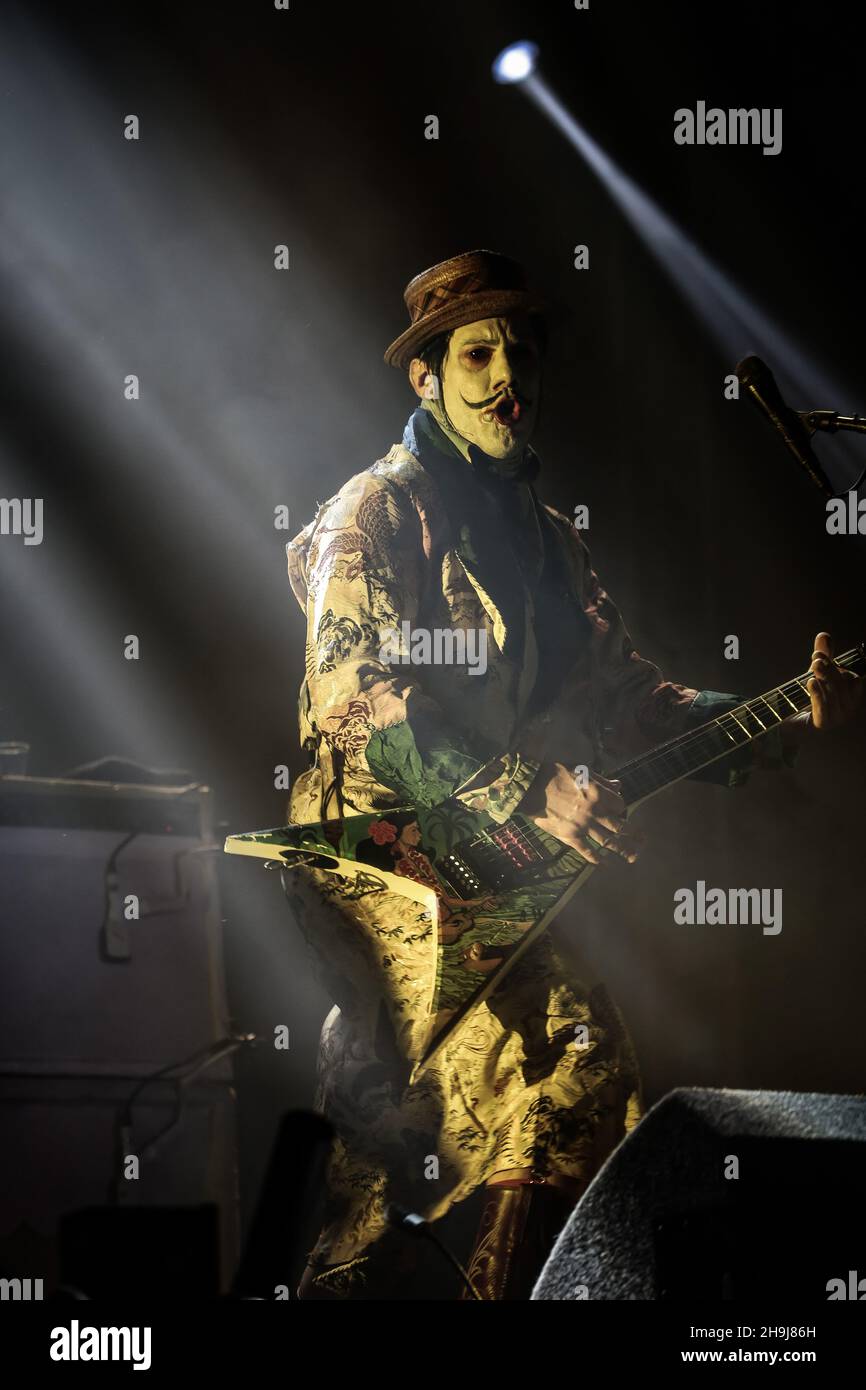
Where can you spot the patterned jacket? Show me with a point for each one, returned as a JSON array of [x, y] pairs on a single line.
[[389, 549]]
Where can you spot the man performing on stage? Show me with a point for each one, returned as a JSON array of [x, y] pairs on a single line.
[[446, 533]]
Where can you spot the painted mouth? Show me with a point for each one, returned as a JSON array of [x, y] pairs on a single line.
[[508, 412]]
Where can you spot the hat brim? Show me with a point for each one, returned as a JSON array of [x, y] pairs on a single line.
[[489, 304]]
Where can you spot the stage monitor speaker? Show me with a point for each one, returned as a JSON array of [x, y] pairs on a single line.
[[723, 1196]]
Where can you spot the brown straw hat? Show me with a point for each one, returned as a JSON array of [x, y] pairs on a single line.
[[476, 285]]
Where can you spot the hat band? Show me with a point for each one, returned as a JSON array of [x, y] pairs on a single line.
[[462, 288]]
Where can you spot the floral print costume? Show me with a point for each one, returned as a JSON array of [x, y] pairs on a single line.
[[425, 537]]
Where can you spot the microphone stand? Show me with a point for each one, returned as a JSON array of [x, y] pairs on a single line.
[[796, 427], [830, 421]]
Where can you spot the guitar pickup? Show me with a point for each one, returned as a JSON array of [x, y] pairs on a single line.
[[459, 876]]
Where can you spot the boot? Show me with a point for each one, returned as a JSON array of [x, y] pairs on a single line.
[[518, 1228]]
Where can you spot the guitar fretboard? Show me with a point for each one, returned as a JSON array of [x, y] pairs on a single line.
[[670, 762]]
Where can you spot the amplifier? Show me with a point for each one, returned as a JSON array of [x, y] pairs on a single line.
[[111, 972]]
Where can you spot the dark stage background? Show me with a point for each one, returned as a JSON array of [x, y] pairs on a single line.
[[261, 387]]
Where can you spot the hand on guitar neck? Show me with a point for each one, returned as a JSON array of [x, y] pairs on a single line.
[[590, 819], [836, 695]]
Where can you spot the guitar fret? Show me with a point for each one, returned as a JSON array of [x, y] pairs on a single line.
[[640, 784], [514, 847], [766, 703], [642, 776], [650, 772]]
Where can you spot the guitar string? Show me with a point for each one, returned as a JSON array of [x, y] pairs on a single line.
[[706, 733]]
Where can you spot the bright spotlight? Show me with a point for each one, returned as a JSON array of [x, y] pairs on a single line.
[[516, 62]]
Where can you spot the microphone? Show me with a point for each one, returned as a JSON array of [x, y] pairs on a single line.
[[759, 382]]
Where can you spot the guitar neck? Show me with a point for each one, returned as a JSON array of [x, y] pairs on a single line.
[[517, 854], [643, 776]]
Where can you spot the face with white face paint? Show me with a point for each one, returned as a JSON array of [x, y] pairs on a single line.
[[490, 383]]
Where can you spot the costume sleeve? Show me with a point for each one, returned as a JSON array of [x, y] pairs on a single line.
[[769, 753], [364, 575], [639, 706]]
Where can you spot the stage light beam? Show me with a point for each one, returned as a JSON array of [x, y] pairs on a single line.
[[733, 320]]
